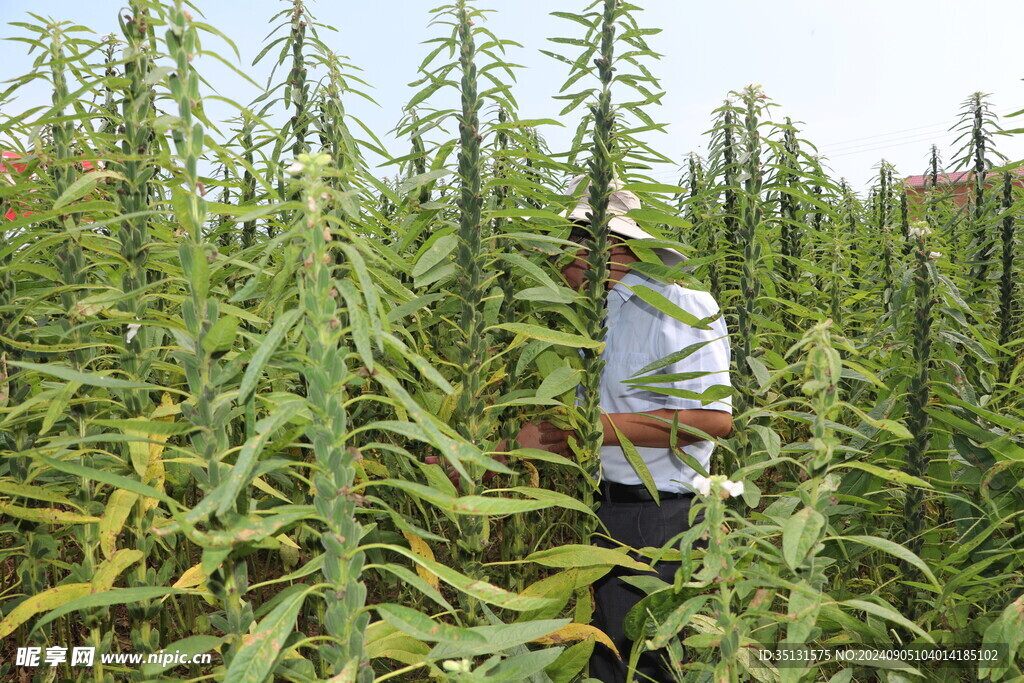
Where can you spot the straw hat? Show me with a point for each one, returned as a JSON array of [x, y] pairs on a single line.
[[620, 202]]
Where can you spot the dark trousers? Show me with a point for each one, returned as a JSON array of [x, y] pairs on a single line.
[[636, 525]]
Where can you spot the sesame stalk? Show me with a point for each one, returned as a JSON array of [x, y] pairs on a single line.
[[918, 420], [731, 204], [748, 307], [327, 374], [297, 87], [1007, 285], [594, 306], [133, 193], [789, 210], [698, 212], [210, 334], [472, 341]]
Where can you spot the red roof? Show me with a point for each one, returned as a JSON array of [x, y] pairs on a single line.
[[949, 178], [6, 170]]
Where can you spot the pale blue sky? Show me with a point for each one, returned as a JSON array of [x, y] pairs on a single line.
[[869, 79]]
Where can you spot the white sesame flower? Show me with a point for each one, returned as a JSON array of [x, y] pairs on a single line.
[[311, 204], [919, 229], [733, 488], [701, 484], [296, 168], [133, 329], [457, 665], [934, 255]]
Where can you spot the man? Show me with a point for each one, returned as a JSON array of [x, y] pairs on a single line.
[[638, 335]]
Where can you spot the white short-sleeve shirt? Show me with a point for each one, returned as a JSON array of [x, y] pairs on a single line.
[[638, 335]]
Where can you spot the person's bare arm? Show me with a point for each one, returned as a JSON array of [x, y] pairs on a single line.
[[643, 430]]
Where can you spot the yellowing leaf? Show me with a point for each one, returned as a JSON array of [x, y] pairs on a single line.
[[191, 577], [283, 538], [119, 506], [533, 473], [43, 602], [578, 632], [155, 473], [259, 483], [138, 450], [107, 573], [421, 548], [46, 515], [167, 408]]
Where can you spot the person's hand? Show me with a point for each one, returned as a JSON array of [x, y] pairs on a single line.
[[546, 437], [453, 474], [542, 435]]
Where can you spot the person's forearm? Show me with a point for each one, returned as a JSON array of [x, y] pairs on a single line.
[[644, 430]]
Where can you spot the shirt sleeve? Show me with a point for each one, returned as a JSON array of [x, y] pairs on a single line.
[[710, 362]]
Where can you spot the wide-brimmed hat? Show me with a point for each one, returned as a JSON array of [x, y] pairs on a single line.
[[620, 202]]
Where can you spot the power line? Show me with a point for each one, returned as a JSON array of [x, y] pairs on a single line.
[[925, 130]]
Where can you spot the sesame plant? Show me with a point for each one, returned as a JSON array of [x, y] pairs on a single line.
[[241, 365]]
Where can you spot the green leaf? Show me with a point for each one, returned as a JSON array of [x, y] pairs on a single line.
[[221, 336], [546, 456], [88, 379], [558, 382], [554, 337], [571, 555], [415, 182], [657, 188], [771, 443], [664, 305], [889, 474], [260, 650], [117, 596], [83, 186], [896, 550], [419, 625], [800, 534], [413, 579], [887, 612], [678, 620], [570, 662], [497, 638], [225, 495], [553, 497], [563, 295], [524, 665], [636, 460], [466, 505], [1000, 444], [760, 371], [110, 478], [673, 357], [478, 589], [264, 350], [558, 588], [438, 251]]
